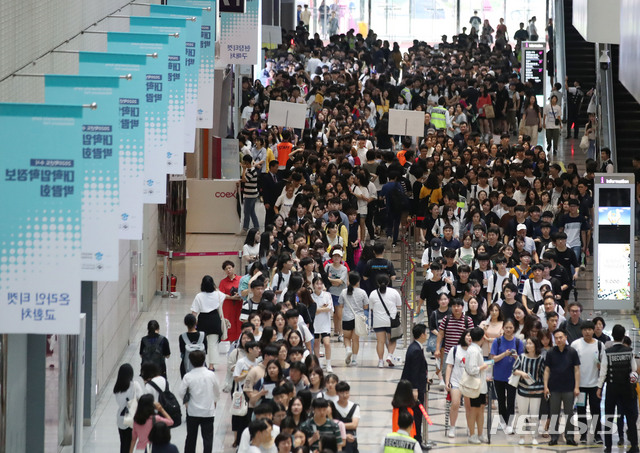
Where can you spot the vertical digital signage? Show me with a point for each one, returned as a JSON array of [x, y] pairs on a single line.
[[613, 239]]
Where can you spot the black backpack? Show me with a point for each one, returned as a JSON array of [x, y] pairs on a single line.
[[169, 402], [152, 352], [399, 200]]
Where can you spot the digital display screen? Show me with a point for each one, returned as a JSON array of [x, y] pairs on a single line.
[[614, 271], [609, 215], [534, 65]]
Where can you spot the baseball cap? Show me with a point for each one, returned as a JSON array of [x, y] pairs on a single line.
[[521, 226], [336, 252], [436, 243]]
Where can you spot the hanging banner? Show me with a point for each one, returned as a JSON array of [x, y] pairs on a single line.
[[191, 63], [132, 109], [41, 182], [163, 85], [241, 35], [204, 111], [101, 139], [177, 68]]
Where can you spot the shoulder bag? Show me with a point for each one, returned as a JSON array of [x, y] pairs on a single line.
[[395, 322], [360, 321], [224, 323], [489, 113], [584, 142], [470, 385], [239, 405]]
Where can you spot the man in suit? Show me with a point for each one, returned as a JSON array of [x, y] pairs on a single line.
[[415, 371], [270, 188]]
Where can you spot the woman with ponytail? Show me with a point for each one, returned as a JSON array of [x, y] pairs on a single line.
[[384, 302], [355, 302]]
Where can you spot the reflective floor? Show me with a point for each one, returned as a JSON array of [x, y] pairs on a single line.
[[371, 387]]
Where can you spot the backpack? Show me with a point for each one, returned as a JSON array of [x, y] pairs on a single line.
[[399, 200], [152, 352], [169, 403], [517, 342], [189, 347]]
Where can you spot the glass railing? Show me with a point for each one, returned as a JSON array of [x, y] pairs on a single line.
[[605, 106], [559, 48]]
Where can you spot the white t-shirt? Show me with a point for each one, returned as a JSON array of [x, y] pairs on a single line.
[[495, 295], [322, 321], [343, 411], [536, 296], [362, 204], [458, 365], [590, 359], [550, 114], [245, 442], [207, 302], [283, 285], [392, 301], [284, 204], [242, 368], [353, 303]]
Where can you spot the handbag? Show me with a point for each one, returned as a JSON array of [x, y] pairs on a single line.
[[224, 323], [239, 405], [470, 385], [130, 410], [584, 142], [395, 322], [431, 342], [360, 322], [489, 113]]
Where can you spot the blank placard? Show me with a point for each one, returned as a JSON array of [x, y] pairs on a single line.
[[406, 122], [271, 35], [287, 114]]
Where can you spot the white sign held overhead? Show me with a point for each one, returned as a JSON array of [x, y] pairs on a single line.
[[406, 122], [271, 35], [287, 114]]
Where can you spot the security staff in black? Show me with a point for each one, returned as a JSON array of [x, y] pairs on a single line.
[[401, 441], [617, 371]]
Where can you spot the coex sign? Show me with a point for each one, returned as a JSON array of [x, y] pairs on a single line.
[[232, 6], [225, 194]]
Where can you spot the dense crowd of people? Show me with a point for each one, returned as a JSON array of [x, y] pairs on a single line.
[[503, 233]]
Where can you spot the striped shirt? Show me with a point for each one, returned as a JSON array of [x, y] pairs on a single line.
[[453, 329], [251, 183], [535, 369]]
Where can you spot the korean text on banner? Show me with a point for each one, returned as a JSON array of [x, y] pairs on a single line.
[[241, 35], [191, 64], [132, 110], [41, 172], [204, 112], [100, 177], [175, 29], [159, 88], [155, 92]]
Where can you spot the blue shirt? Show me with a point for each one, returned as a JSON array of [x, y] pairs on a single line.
[[502, 369]]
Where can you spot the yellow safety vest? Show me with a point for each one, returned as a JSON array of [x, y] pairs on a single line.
[[398, 443], [439, 117]]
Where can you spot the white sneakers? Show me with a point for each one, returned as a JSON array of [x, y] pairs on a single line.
[[391, 360], [484, 439], [508, 430], [452, 432], [347, 358], [380, 364], [474, 439], [329, 368]]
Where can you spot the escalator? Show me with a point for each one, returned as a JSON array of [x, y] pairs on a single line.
[[627, 118], [580, 59]]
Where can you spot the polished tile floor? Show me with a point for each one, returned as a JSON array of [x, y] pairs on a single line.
[[371, 387]]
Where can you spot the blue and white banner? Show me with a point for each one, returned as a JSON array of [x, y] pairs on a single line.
[[132, 110], [191, 62], [175, 77], [241, 35], [41, 182], [204, 112], [101, 139], [162, 87]]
